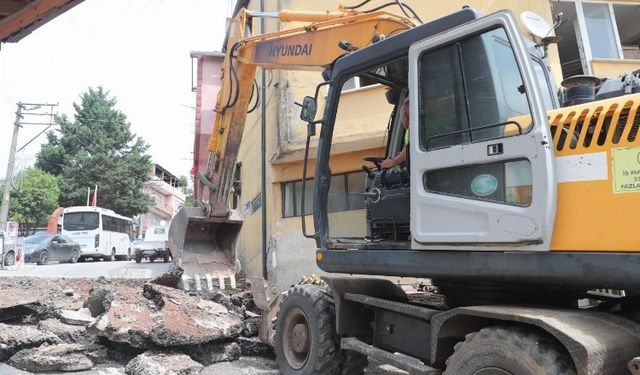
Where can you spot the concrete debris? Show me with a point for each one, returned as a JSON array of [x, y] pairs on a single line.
[[96, 300], [251, 326], [186, 320], [171, 278], [215, 352], [156, 363], [252, 346], [129, 318], [14, 338], [72, 325], [68, 333], [61, 357], [76, 318]]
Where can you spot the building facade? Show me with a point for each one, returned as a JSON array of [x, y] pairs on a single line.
[[163, 187], [363, 117], [600, 38], [206, 83]]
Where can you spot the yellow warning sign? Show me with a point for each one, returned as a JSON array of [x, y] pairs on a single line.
[[626, 169]]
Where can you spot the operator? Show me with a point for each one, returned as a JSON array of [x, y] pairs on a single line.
[[395, 177]]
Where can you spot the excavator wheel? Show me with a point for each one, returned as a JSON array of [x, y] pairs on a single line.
[[304, 341], [508, 350]]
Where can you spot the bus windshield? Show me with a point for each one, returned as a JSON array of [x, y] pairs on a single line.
[[81, 221]]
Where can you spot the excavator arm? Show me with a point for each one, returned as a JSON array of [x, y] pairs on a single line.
[[201, 239], [309, 47]]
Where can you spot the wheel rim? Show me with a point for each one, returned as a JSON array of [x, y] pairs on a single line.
[[10, 260], [296, 338], [75, 256], [492, 371], [44, 257]]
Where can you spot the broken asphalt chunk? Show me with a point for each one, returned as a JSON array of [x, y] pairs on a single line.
[[15, 338], [61, 357], [157, 363]]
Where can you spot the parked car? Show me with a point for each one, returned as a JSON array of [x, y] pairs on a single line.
[[41, 248], [9, 252], [154, 246]]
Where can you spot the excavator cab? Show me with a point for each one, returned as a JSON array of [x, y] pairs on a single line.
[[478, 141]]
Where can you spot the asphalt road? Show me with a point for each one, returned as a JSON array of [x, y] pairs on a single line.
[[91, 269], [243, 366]]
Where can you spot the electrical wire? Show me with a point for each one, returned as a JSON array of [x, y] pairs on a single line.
[[254, 88], [401, 5], [233, 78], [359, 5]]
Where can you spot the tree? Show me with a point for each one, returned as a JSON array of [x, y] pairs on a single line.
[[34, 198], [185, 185], [98, 148]]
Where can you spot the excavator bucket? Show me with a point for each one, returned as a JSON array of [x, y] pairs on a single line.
[[203, 247]]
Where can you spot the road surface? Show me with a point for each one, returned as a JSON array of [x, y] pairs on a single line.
[[243, 366], [91, 269]]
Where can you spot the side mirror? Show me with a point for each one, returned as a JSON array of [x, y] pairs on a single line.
[[55, 242], [309, 108]]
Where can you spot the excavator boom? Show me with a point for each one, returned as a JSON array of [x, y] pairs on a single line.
[[316, 45]]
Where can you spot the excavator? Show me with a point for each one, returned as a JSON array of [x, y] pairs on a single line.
[[201, 238], [517, 203]]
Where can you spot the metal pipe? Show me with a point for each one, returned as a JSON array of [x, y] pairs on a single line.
[[288, 15], [263, 152]]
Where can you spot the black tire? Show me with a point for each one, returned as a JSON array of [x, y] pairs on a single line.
[[165, 257], [74, 256], [138, 258], [9, 259], [111, 257], [511, 349], [44, 257], [129, 257], [309, 307]]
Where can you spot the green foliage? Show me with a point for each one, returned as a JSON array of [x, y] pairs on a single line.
[[186, 184], [98, 148], [34, 198]]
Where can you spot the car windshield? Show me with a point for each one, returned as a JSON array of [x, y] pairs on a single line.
[[37, 239], [81, 221]]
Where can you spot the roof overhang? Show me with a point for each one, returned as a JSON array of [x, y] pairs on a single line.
[[18, 18]]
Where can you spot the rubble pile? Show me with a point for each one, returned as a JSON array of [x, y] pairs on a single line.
[[152, 327]]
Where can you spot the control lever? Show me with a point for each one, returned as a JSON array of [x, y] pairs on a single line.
[[368, 171], [373, 194]]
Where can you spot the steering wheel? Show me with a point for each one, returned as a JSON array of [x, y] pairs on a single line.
[[375, 160]]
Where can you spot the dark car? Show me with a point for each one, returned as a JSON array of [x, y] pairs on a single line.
[[41, 248]]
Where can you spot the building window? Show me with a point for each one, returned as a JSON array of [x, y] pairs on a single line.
[[596, 30], [356, 82], [344, 195], [599, 23]]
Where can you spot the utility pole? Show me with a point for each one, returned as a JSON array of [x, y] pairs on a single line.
[[4, 209], [24, 109]]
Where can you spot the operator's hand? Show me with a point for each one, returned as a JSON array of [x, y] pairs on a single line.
[[386, 164]]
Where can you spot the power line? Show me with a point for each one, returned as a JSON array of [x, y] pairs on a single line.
[[24, 110]]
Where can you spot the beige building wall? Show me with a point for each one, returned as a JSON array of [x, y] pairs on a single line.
[[364, 114]]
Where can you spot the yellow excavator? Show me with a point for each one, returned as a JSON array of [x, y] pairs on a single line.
[[201, 238], [516, 202]]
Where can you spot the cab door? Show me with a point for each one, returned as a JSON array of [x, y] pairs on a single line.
[[482, 168]]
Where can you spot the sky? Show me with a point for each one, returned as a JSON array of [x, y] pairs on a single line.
[[136, 49]]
